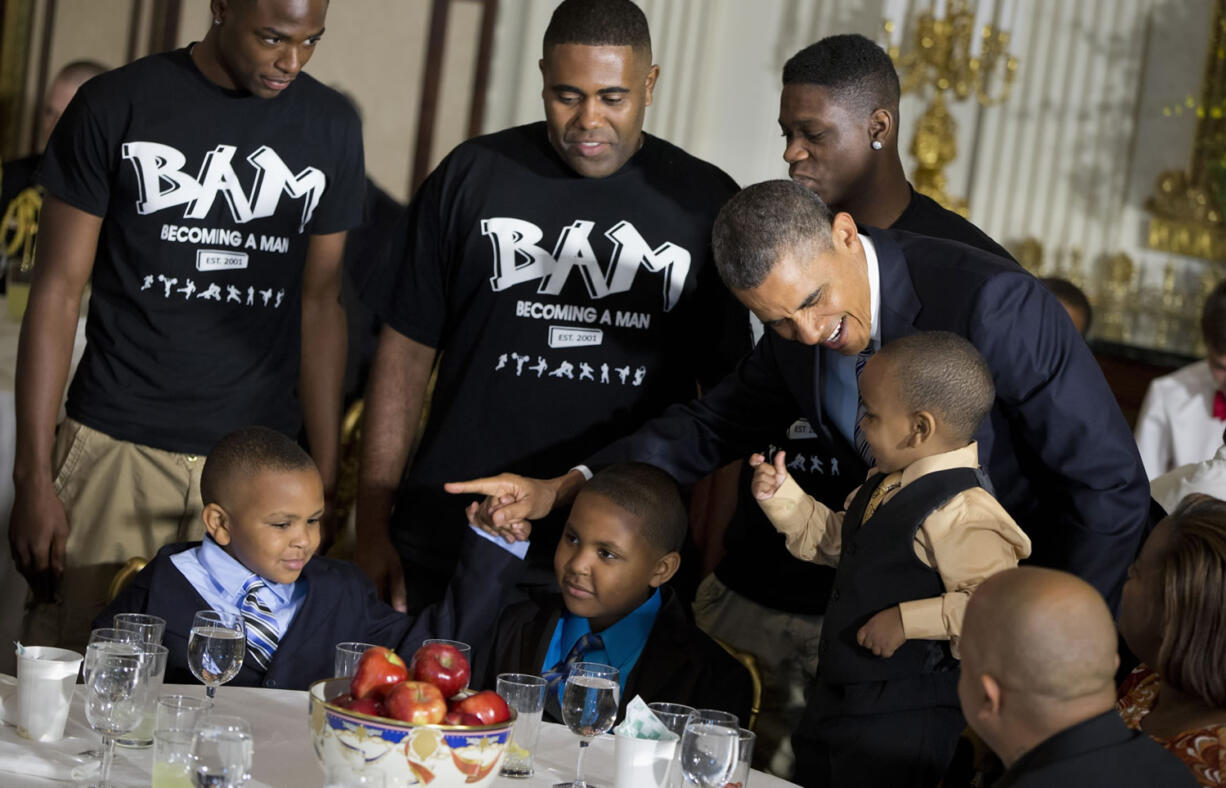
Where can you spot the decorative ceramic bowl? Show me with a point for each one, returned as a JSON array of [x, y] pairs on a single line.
[[441, 756]]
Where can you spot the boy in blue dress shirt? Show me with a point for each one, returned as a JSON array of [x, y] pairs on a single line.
[[263, 500], [618, 549]]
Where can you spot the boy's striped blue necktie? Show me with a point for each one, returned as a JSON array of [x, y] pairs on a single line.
[[262, 637], [557, 674]]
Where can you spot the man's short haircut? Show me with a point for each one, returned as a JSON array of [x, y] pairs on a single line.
[[247, 452], [599, 23], [944, 374], [1070, 294], [762, 222], [1213, 319], [649, 494], [850, 66], [1192, 581], [81, 71]]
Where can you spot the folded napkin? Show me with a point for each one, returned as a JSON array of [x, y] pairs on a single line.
[[60, 760]]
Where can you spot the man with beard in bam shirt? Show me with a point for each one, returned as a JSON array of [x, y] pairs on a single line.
[[562, 272], [206, 194]]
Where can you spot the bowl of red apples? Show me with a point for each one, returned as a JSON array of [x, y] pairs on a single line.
[[416, 723]]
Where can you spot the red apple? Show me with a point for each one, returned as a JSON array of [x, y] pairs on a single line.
[[443, 666], [460, 718], [416, 702], [368, 705], [487, 706], [378, 670]]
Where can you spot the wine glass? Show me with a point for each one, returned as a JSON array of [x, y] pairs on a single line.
[[116, 689], [223, 751], [215, 648], [709, 752], [589, 707]]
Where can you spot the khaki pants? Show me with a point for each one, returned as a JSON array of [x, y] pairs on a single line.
[[785, 646], [122, 500]]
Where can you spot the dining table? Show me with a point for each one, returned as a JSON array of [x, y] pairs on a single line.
[[284, 756]]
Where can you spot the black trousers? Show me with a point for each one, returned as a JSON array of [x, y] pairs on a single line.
[[837, 747]]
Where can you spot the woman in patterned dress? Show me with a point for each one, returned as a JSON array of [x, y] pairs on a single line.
[[1173, 617]]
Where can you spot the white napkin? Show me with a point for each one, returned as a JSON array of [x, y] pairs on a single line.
[[642, 723], [59, 760]]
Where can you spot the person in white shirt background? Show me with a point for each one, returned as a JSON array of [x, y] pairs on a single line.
[[1183, 414], [1208, 477]]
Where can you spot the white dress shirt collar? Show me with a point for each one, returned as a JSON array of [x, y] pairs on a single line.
[[874, 290]]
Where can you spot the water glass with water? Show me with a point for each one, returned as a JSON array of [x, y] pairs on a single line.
[[223, 751], [525, 693], [709, 753], [215, 648], [589, 707]]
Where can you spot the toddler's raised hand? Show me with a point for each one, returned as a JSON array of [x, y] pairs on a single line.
[[767, 478]]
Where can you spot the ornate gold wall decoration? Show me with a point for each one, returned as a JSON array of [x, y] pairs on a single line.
[[950, 55], [1186, 205]]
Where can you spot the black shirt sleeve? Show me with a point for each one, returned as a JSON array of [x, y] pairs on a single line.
[[78, 162], [408, 292], [342, 204]]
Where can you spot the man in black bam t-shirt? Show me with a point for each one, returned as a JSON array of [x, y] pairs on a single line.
[[839, 114], [207, 191], [562, 270]]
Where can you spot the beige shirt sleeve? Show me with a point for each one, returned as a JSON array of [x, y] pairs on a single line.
[[969, 539], [814, 533]]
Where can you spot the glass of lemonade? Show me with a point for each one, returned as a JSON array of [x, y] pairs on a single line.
[[526, 694], [173, 758]]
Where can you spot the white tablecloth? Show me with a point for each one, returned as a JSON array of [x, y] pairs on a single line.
[[284, 755]]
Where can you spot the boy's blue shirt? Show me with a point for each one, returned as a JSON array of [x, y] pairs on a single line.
[[219, 578], [623, 642]]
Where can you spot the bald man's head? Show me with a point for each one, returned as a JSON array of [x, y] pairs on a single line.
[[61, 90], [1038, 655]]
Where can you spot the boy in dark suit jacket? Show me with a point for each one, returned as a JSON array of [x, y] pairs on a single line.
[[618, 549], [263, 500]]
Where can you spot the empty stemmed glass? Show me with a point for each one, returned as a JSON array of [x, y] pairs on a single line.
[[709, 751], [216, 647], [589, 707], [116, 690]]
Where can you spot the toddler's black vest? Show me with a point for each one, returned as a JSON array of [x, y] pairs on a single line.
[[878, 569]]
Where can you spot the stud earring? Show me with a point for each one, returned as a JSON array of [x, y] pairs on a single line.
[[877, 145], [217, 21]]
